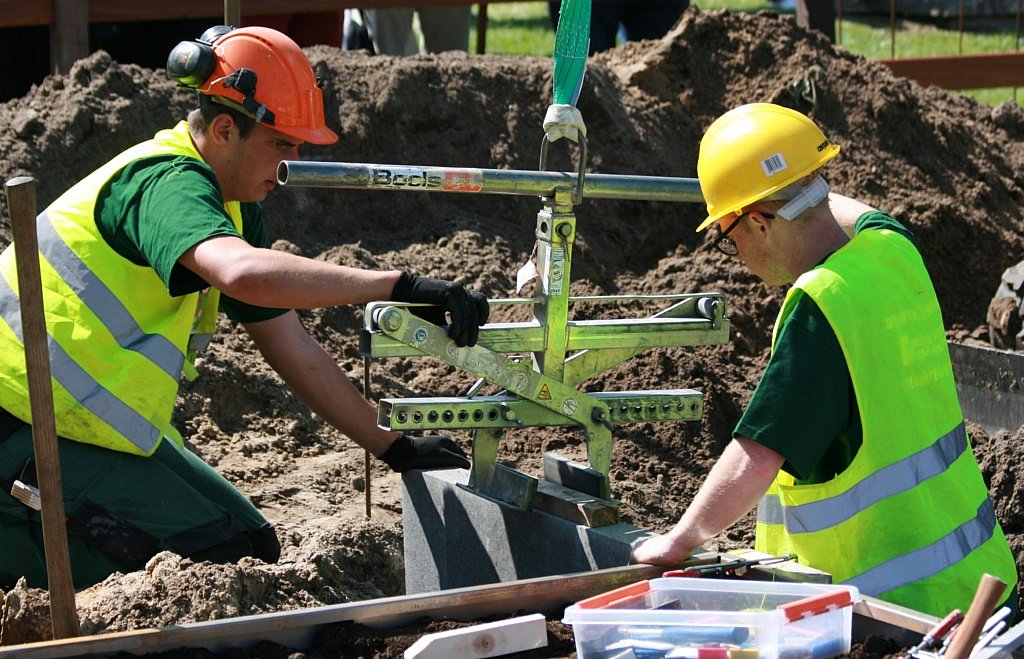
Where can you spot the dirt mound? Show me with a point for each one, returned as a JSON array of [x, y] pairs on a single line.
[[949, 167]]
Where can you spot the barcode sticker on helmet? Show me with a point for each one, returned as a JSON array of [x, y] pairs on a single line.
[[773, 164]]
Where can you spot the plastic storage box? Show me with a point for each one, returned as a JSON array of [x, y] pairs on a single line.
[[686, 618]]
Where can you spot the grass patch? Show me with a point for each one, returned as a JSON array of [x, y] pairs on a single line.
[[871, 36], [517, 28], [523, 28]]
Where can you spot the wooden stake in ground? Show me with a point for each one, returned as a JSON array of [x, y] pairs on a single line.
[[21, 201], [990, 589]]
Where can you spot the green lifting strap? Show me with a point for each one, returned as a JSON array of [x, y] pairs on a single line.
[[572, 42]]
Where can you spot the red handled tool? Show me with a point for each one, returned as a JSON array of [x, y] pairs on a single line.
[[935, 635]]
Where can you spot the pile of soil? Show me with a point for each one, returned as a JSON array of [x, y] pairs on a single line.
[[949, 167]]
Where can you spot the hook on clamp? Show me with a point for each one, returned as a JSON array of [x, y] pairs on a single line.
[[577, 193]]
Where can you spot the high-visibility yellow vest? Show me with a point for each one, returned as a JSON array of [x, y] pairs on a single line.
[[118, 342], [909, 520]]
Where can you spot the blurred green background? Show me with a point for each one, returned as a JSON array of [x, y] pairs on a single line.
[[523, 28]]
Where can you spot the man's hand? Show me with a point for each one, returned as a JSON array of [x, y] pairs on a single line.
[[659, 550], [468, 309], [430, 452]]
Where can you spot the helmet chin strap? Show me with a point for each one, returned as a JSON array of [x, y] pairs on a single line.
[[813, 194]]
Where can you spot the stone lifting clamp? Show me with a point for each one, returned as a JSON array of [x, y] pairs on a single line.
[[563, 352], [542, 390]]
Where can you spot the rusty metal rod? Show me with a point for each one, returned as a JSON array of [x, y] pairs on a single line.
[[366, 453]]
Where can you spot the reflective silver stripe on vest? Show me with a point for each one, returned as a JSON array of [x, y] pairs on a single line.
[[769, 510], [889, 481], [104, 304], [10, 308], [86, 390], [200, 342], [927, 561]]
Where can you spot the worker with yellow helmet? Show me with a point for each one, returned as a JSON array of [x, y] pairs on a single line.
[[137, 259], [853, 446]]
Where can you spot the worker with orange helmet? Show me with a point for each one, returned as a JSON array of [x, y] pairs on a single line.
[[853, 445], [138, 258]]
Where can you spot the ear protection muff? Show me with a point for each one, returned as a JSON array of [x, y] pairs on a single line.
[[191, 62]]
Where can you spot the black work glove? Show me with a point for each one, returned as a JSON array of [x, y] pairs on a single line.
[[430, 452], [468, 309]]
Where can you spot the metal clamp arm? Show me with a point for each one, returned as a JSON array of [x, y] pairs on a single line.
[[516, 377]]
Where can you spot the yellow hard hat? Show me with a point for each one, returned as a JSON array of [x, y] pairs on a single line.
[[753, 151]]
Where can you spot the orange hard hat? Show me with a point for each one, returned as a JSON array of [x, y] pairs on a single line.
[[259, 71]]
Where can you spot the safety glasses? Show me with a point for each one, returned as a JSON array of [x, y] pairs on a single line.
[[725, 244]]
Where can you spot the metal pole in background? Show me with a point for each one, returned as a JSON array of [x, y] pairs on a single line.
[[960, 28], [1016, 43], [233, 13], [69, 34], [21, 200], [481, 28], [839, 22], [366, 454], [892, 29]]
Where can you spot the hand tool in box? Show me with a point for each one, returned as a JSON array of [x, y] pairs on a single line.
[[728, 568], [990, 590], [937, 634]]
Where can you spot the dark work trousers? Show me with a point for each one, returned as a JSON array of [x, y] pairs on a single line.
[[122, 509], [640, 19]]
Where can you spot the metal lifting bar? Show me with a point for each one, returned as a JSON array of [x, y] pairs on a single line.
[[484, 181]]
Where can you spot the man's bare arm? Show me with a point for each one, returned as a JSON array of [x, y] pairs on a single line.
[[318, 381], [846, 211], [271, 278], [733, 487]]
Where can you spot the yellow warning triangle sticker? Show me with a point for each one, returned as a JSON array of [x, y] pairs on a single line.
[[545, 393]]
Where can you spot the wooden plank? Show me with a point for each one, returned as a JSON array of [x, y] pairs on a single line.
[[112, 11], [298, 629], [962, 71], [492, 639], [22, 13]]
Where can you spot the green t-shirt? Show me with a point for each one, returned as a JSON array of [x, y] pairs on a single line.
[[158, 208], [804, 408]]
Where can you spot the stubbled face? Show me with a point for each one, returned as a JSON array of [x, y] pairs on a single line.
[[250, 164]]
